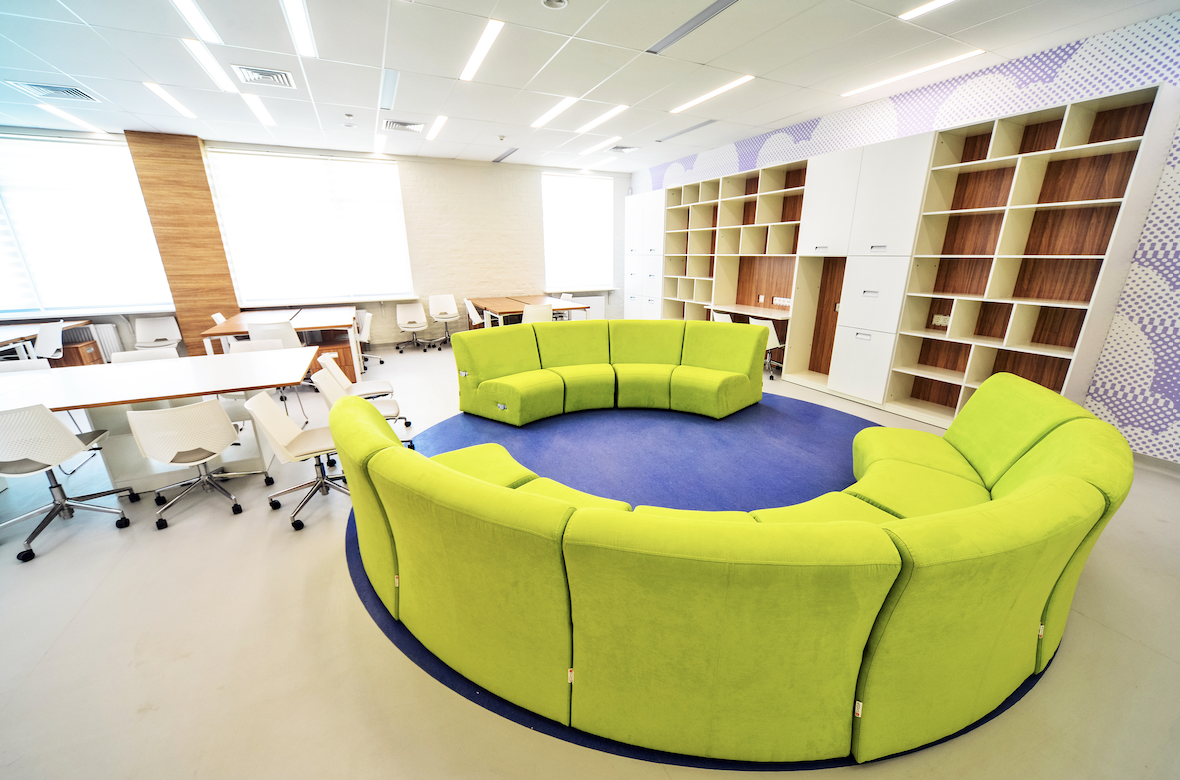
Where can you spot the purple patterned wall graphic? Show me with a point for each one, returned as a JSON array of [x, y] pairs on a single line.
[[1136, 384]]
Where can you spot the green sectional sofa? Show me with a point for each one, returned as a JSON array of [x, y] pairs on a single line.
[[865, 622], [521, 373]]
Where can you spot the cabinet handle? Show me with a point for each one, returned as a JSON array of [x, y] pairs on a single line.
[[864, 336], [878, 248], [871, 294], [825, 246]]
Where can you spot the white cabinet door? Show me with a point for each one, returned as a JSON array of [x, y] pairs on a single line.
[[633, 224], [632, 307], [873, 292], [860, 363], [632, 276], [652, 276], [889, 196], [653, 223], [829, 198], [651, 308]]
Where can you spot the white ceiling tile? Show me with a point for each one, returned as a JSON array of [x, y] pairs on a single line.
[[952, 18], [341, 82], [174, 124], [579, 67], [428, 40], [700, 82], [531, 13], [305, 138], [639, 25], [254, 25], [667, 125], [579, 114], [214, 105], [349, 32], [481, 153], [334, 117], [489, 135], [477, 7], [459, 131], [239, 133], [630, 121], [1122, 17], [160, 18], [422, 94], [524, 156], [518, 55], [13, 56], [770, 114], [471, 100], [130, 96], [913, 59], [752, 93], [403, 143], [441, 149], [716, 134], [1041, 19], [640, 78], [525, 108], [108, 118], [733, 27], [73, 48], [349, 140], [293, 114], [38, 9], [164, 60], [545, 139]]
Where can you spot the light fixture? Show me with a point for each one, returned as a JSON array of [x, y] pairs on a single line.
[[713, 94], [389, 80], [603, 145], [196, 20], [434, 128], [554, 4], [70, 118], [685, 130], [481, 49], [924, 9], [952, 60], [255, 104], [167, 98], [207, 61], [548, 116], [379, 143], [504, 156], [690, 25], [596, 122], [300, 25]]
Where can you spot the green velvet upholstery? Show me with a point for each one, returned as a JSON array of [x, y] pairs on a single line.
[[359, 432], [1003, 419], [587, 387], [826, 508], [519, 399], [721, 639], [487, 462], [644, 385], [483, 583], [644, 354], [907, 490], [579, 352], [958, 632], [721, 368], [696, 514], [543, 486], [501, 367], [917, 447]]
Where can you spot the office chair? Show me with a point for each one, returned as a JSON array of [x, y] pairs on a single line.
[[294, 445], [33, 440], [48, 343], [412, 319], [156, 332], [565, 315], [772, 343], [720, 316], [332, 391], [226, 341], [138, 356], [189, 435], [285, 333], [541, 313], [363, 334], [444, 309], [13, 366], [474, 318], [370, 388]]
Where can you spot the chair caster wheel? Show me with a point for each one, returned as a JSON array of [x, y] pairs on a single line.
[[237, 509], [269, 480], [408, 423], [161, 524], [160, 500], [297, 525], [316, 389], [133, 497], [122, 522], [24, 556], [331, 461], [382, 362], [344, 480], [410, 445], [282, 398], [274, 503], [401, 351], [771, 377]]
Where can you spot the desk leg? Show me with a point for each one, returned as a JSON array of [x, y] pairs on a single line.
[[208, 345], [487, 318]]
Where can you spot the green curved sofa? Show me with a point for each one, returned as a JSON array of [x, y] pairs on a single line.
[[521, 373], [866, 622]]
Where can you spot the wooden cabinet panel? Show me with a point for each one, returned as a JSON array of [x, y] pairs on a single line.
[[81, 353], [830, 285]]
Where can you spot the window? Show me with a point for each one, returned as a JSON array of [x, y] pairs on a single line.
[[74, 231], [311, 229], [578, 218]]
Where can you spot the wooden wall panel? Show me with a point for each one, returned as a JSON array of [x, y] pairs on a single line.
[[944, 354], [1040, 137], [792, 208], [1084, 231], [795, 178], [992, 322], [962, 275], [1059, 327], [975, 147], [175, 185], [1087, 178], [938, 306], [972, 234], [936, 392], [1057, 279], [1042, 369], [831, 282], [772, 277], [983, 189], [1126, 122]]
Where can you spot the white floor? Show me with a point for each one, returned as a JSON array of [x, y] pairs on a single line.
[[233, 647]]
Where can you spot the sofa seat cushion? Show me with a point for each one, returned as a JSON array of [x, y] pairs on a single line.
[[524, 397], [543, 486], [830, 507], [696, 514], [644, 385], [711, 392], [908, 490], [590, 386], [488, 462], [917, 447]]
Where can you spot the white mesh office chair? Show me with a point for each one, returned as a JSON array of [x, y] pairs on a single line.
[[541, 313], [444, 309], [226, 341], [364, 332], [412, 319], [163, 353], [474, 318], [564, 315], [189, 435], [284, 332], [333, 391], [293, 445], [720, 316], [370, 388], [156, 332], [772, 343], [32, 440], [254, 345], [12, 366], [48, 343]]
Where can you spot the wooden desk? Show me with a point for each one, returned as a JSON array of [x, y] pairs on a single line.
[[498, 308], [757, 312], [329, 318], [17, 334]]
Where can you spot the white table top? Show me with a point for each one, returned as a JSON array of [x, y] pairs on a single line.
[[758, 312], [108, 384]]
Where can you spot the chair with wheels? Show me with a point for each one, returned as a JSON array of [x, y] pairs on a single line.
[[48, 343], [13, 366], [33, 440], [412, 319], [541, 313], [226, 341], [156, 332], [333, 391], [474, 318], [370, 388], [293, 445], [140, 355], [285, 333], [189, 435], [444, 309], [772, 343], [720, 316], [364, 332]]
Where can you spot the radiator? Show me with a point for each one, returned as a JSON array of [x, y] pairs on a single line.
[[107, 336]]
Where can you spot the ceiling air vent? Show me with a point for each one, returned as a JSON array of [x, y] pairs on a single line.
[[51, 91], [264, 76], [405, 127], [622, 149]]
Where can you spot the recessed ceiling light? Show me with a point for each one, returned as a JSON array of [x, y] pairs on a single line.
[[300, 25], [389, 79], [167, 98], [690, 25], [71, 118], [924, 9], [596, 122], [207, 61], [255, 104], [438, 123], [603, 145], [481, 49], [554, 4], [952, 60], [548, 116], [713, 94], [196, 20]]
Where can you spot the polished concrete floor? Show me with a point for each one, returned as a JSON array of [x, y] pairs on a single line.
[[229, 646]]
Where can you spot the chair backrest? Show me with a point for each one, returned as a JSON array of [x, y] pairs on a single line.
[[48, 344], [329, 388], [329, 365], [149, 329], [772, 342], [261, 345], [539, 313], [473, 313], [134, 356], [567, 296], [443, 307], [411, 316], [197, 432], [720, 316], [364, 326], [12, 366], [279, 429], [33, 434], [218, 317], [283, 331]]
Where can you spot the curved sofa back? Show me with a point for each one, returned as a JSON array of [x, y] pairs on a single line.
[[575, 343]]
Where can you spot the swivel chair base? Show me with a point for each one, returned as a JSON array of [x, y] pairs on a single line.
[[64, 506], [320, 484], [208, 480], [413, 342]]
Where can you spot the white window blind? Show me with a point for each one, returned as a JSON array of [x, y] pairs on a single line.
[[304, 230], [578, 217], [74, 231]]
